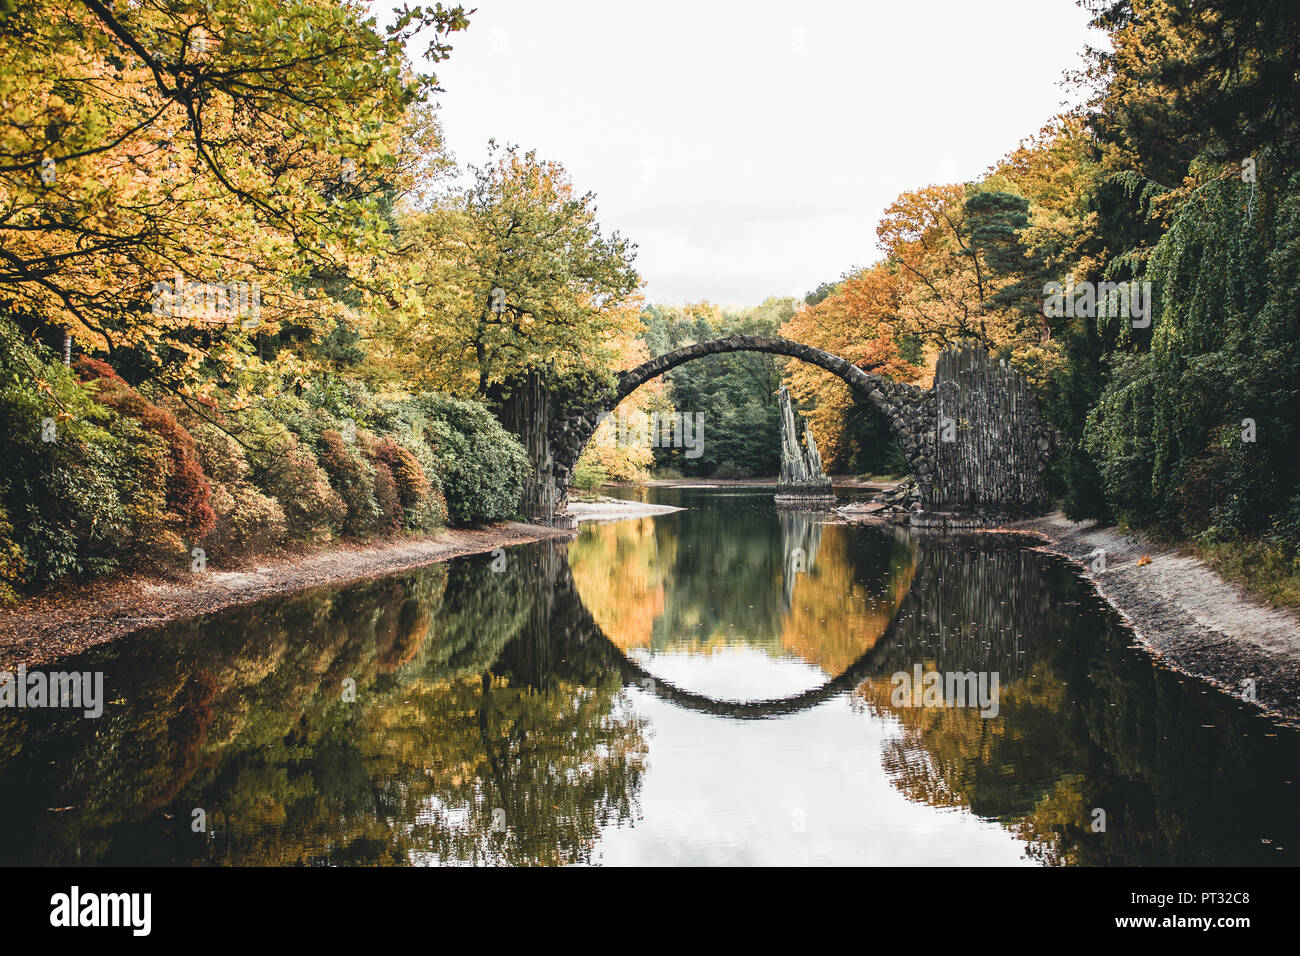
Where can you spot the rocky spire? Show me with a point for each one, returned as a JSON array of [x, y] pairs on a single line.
[[798, 467]]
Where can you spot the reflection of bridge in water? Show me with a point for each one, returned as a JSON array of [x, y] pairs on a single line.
[[968, 609]]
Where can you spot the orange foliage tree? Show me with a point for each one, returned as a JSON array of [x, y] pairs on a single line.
[[858, 322]]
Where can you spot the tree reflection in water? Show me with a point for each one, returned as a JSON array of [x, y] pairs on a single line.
[[520, 691], [1185, 774], [710, 578], [242, 715]]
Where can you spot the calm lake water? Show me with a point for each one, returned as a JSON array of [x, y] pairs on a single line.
[[707, 687]]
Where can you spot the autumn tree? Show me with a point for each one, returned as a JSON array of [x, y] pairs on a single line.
[[622, 449], [858, 321], [519, 275], [147, 148]]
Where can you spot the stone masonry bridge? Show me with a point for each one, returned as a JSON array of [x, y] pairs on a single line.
[[976, 441]]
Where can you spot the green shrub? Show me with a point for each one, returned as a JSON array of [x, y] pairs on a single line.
[[1118, 439], [589, 477], [729, 469], [481, 466], [60, 496]]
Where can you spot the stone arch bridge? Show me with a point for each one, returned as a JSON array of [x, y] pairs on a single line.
[[976, 441]]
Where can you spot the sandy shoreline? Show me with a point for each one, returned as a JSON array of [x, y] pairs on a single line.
[[58, 623], [616, 509], [53, 625], [1185, 614]]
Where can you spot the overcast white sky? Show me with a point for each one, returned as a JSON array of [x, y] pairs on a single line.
[[749, 148]]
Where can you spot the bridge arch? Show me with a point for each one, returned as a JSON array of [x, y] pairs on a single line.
[[905, 408], [630, 672], [566, 638], [975, 441]]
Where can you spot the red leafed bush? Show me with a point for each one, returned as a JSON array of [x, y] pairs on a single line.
[[353, 477], [412, 485], [313, 511], [388, 500], [189, 494], [248, 521], [423, 509]]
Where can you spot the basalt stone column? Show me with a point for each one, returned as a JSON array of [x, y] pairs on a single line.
[[569, 436], [987, 437], [909, 412], [526, 414]]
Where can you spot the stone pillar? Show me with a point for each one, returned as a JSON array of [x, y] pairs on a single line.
[[526, 414], [990, 442]]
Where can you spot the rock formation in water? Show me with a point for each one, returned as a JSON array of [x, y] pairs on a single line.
[[801, 468]]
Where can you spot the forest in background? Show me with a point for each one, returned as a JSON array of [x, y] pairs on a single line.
[[289, 318]]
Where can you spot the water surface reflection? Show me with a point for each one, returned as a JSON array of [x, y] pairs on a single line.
[[710, 686]]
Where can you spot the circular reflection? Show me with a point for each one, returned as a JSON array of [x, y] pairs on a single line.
[[741, 601]]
